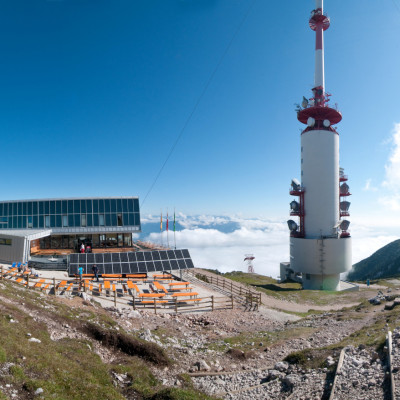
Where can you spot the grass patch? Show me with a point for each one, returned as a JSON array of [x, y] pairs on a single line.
[[129, 345]]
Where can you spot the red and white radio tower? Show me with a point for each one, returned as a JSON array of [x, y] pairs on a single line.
[[320, 244], [249, 258]]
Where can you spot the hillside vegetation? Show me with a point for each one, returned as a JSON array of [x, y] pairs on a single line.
[[385, 263]]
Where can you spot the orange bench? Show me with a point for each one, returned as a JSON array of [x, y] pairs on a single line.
[[189, 294], [153, 301], [160, 287], [155, 295], [131, 286], [39, 284]]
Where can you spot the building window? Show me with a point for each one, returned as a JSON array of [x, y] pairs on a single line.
[[308, 277], [47, 221], [6, 242], [119, 219], [29, 222], [101, 219], [83, 220], [65, 221]]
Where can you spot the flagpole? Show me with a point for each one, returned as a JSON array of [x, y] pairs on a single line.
[[167, 230], [161, 230], [174, 230]]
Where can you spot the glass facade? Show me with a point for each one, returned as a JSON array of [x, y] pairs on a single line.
[[62, 214]]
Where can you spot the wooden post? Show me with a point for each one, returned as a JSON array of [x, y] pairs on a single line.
[[176, 305], [54, 286], [133, 302], [115, 298], [231, 287], [1, 277], [84, 286], [155, 306], [27, 281], [223, 283], [240, 288], [212, 303], [251, 300], [232, 301], [259, 299]]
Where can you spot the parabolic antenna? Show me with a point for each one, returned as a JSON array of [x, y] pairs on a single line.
[[344, 225], [295, 184], [294, 205], [310, 122], [292, 225], [326, 123], [344, 188], [344, 205]]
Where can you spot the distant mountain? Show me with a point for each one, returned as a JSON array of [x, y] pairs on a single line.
[[384, 263]]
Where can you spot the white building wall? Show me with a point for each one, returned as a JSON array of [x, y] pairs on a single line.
[[320, 256], [320, 179], [14, 252]]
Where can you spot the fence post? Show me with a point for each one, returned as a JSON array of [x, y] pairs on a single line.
[[133, 302], [231, 287], [84, 286], [251, 300], [259, 299], [212, 303], [223, 283], [240, 290], [232, 301], [115, 298], [1, 273], [176, 305], [54, 286], [155, 306]]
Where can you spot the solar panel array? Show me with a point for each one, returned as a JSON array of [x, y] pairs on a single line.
[[131, 262]]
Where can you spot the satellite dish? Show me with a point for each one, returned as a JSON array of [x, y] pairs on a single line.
[[292, 225], [295, 184], [344, 205], [311, 122], [326, 123], [344, 225], [304, 103], [294, 205], [344, 189]]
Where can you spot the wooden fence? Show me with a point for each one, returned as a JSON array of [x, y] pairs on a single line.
[[249, 296]]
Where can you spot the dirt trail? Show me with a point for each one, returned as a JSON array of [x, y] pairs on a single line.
[[286, 305]]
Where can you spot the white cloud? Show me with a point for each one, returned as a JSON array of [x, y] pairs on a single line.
[[368, 186], [267, 239], [392, 173]]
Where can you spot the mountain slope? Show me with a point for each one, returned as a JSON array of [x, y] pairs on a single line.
[[384, 263]]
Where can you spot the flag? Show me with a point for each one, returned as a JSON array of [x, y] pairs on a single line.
[[161, 222], [174, 220], [167, 221]]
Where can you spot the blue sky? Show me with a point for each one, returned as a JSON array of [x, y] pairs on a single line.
[[93, 94]]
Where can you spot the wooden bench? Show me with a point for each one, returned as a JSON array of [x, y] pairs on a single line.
[[173, 284], [137, 276], [189, 294], [160, 287], [153, 295], [108, 276], [132, 285], [45, 286], [152, 301], [39, 284], [61, 285], [177, 289]]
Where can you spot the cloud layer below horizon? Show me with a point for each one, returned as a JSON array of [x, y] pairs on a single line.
[[220, 242]]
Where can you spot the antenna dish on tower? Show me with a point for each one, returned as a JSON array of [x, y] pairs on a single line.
[[292, 225]]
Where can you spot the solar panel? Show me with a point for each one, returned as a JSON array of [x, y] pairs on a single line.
[[108, 268], [142, 267], [189, 263], [171, 254], [98, 258], [133, 268], [166, 265], [150, 266], [131, 262], [185, 253], [178, 254], [181, 264], [158, 265]]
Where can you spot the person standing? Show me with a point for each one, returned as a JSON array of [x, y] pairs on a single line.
[[95, 270], [82, 248]]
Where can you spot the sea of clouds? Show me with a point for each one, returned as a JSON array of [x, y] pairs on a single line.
[[221, 242]]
